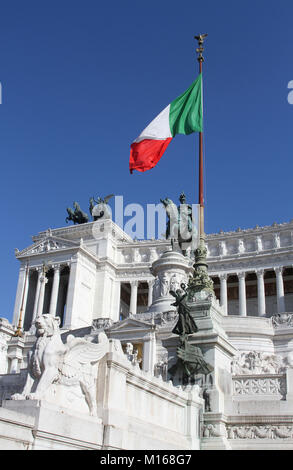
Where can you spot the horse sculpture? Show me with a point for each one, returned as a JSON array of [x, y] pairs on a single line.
[[180, 226], [77, 215]]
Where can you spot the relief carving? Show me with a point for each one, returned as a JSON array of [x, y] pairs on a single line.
[[210, 430], [259, 432], [282, 320], [132, 354], [255, 362]]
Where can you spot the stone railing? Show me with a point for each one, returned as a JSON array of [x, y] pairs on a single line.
[[250, 241], [273, 386]]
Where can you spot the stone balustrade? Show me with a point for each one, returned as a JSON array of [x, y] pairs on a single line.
[[248, 242]]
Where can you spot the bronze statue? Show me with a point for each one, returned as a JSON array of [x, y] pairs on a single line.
[[180, 222], [190, 360], [200, 38], [77, 215], [185, 324]]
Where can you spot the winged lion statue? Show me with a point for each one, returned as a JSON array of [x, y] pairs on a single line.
[[52, 361]]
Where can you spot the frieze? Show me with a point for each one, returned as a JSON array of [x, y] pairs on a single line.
[[166, 282], [254, 362], [101, 324], [143, 276], [266, 431], [249, 265], [159, 319]]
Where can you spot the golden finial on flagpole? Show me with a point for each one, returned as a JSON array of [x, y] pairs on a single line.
[[200, 38]]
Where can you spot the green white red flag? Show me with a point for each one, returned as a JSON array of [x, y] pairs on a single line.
[[182, 116]]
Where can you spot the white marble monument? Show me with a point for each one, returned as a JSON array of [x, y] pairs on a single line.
[[95, 288]]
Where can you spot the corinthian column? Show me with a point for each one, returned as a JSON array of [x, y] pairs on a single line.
[[223, 293], [150, 292], [133, 297], [55, 290], [37, 294], [280, 290], [43, 281], [242, 294], [20, 294], [261, 293]]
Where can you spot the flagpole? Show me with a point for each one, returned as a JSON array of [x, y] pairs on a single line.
[[200, 38], [200, 280]]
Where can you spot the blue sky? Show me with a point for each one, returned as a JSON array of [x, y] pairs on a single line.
[[81, 79]]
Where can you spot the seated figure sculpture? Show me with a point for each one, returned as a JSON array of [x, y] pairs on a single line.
[[51, 361]]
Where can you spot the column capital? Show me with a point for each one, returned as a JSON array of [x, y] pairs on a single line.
[[39, 269], [73, 260], [259, 272], [134, 283], [241, 275], [150, 282], [23, 267], [278, 269], [223, 276], [56, 267]]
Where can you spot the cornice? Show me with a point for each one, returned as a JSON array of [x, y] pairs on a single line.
[[251, 260], [251, 231], [71, 251], [83, 230]]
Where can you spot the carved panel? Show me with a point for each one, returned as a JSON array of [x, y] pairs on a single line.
[[254, 363], [266, 431], [273, 385], [282, 320]]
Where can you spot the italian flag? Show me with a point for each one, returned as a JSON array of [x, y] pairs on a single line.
[[182, 116]]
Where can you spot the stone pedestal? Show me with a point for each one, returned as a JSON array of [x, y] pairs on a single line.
[[170, 270], [15, 354], [216, 348], [40, 425], [218, 352]]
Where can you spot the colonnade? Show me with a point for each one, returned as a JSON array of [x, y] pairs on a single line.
[[37, 308], [261, 302], [52, 298], [134, 291]]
